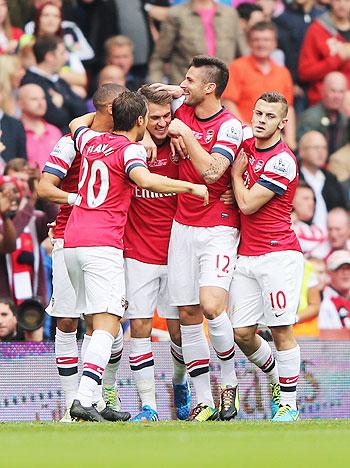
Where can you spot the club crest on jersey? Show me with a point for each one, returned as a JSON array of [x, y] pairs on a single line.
[[259, 165], [209, 136]]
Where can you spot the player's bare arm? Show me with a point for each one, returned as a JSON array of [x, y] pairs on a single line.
[[82, 121], [150, 146], [249, 201], [174, 90], [49, 189], [210, 166], [157, 183]]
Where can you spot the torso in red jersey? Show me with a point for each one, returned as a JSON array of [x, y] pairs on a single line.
[[221, 133], [150, 215], [269, 229], [99, 215], [64, 162]]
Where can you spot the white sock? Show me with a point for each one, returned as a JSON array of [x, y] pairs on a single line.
[[195, 350], [66, 351], [221, 337], [264, 359], [179, 367], [96, 357], [84, 345], [289, 368], [109, 377], [142, 367]]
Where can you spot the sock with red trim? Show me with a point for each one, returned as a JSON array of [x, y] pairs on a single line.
[[66, 351]]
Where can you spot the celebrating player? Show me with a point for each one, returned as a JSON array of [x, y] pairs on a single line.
[[93, 242], [62, 170], [204, 240], [267, 280]]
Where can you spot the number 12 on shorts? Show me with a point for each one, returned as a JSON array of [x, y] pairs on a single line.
[[222, 263], [278, 300]]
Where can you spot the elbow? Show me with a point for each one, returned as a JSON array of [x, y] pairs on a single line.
[[41, 191], [247, 210]]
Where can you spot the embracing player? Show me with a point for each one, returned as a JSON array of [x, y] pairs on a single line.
[[267, 280]]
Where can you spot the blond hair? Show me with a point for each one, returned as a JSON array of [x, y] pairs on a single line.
[[9, 65]]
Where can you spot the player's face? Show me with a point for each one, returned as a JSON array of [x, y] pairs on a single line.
[[158, 121], [267, 119], [340, 278], [194, 86], [8, 321], [304, 204]]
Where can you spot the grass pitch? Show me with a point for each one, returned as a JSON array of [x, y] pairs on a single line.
[[240, 444]]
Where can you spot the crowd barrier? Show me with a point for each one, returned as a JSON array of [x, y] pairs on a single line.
[[30, 388]]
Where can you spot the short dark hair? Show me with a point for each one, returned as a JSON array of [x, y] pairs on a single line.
[[217, 71], [16, 165], [274, 96], [8, 301], [106, 94], [45, 44], [155, 96], [127, 108], [245, 10], [264, 26]]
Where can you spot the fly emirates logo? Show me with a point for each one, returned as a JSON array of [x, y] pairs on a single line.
[[101, 148], [144, 193]]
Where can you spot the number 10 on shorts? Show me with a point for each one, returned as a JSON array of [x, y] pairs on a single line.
[[278, 300]]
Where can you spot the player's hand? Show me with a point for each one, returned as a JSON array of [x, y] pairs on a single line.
[[177, 146], [50, 232], [202, 192], [240, 164], [227, 197], [174, 90], [150, 146], [178, 129], [5, 202]]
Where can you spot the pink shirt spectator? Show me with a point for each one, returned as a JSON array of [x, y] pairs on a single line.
[[39, 147], [207, 16]]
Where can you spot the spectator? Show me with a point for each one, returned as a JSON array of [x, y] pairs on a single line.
[[326, 116], [312, 238], [41, 136], [48, 21], [11, 74], [292, 25], [8, 320], [328, 191], [108, 74], [9, 126], [256, 73], [9, 35], [339, 164], [338, 225], [249, 14], [22, 172], [335, 307], [320, 270], [199, 27], [7, 228], [119, 52], [326, 48], [62, 103]]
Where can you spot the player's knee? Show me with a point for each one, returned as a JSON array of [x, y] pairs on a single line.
[[140, 328], [67, 325], [211, 309], [243, 337]]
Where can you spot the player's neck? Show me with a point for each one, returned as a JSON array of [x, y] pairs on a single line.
[[208, 108], [102, 123], [261, 143], [130, 134]]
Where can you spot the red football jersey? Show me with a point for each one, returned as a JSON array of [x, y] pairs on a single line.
[[221, 133], [64, 162], [99, 216], [151, 214], [269, 229]]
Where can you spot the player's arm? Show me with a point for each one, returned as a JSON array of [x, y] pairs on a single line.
[[175, 91], [251, 200], [49, 189], [211, 166], [82, 121], [157, 183]]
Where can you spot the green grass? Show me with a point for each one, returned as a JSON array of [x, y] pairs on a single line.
[[241, 444]]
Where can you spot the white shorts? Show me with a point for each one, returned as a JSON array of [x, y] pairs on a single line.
[[198, 257], [62, 303], [266, 289], [147, 289], [97, 276]]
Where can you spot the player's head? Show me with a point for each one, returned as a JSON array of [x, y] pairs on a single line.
[[159, 116], [206, 76], [269, 115], [104, 96], [130, 111]]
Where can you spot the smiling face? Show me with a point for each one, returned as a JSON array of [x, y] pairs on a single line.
[[268, 119], [195, 86], [15, 197], [158, 121]]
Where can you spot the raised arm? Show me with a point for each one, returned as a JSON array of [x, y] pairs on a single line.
[[82, 121]]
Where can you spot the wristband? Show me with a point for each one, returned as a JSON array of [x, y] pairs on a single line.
[[72, 198], [147, 7]]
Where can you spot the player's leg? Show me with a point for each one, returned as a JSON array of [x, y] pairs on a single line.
[[217, 249], [142, 286], [281, 286], [110, 389]]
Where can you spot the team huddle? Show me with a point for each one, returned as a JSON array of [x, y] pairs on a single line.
[[169, 202]]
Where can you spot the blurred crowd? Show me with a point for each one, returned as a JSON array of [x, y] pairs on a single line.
[[53, 56]]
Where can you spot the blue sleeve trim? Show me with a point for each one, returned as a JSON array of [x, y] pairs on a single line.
[[223, 153], [130, 168], [269, 185], [56, 172], [75, 136]]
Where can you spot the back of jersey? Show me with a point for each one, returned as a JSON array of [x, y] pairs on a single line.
[[104, 191]]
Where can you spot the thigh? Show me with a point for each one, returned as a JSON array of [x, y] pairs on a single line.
[[183, 269], [76, 277], [245, 297], [216, 249], [165, 310], [104, 279], [63, 300], [280, 278], [142, 286]]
